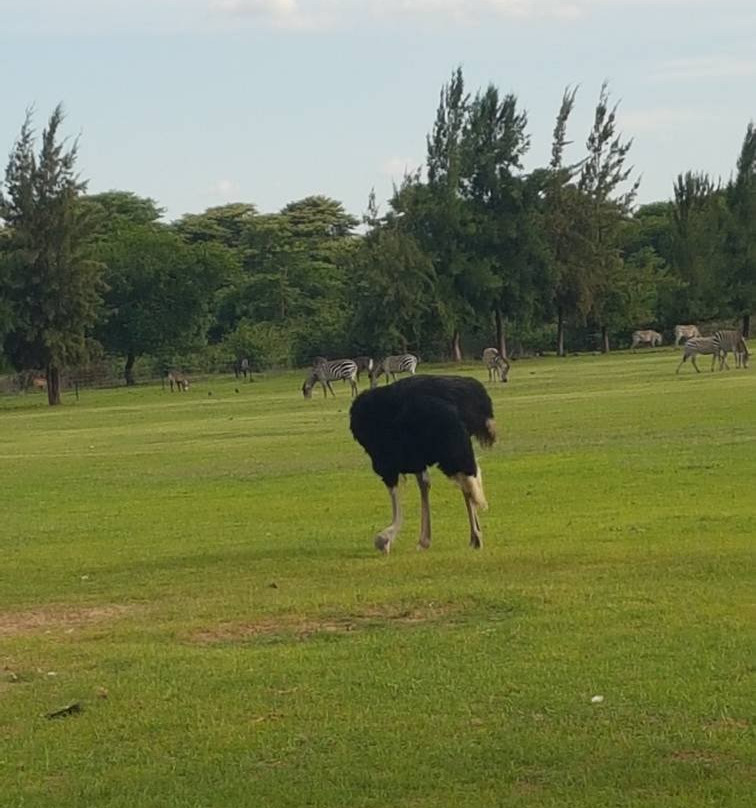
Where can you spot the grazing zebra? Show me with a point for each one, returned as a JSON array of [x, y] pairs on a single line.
[[686, 332], [727, 341], [402, 363], [647, 337], [241, 367], [178, 380], [496, 363], [363, 363], [705, 346], [325, 372]]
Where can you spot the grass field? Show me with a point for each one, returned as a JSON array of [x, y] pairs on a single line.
[[197, 572]]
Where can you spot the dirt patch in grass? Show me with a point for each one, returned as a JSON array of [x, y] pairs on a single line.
[[727, 724], [301, 627], [58, 618], [699, 756]]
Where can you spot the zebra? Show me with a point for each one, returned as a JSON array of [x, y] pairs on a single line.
[[727, 341], [496, 363], [364, 363], [241, 368], [178, 380], [707, 346], [324, 372], [401, 363], [685, 332], [647, 337]]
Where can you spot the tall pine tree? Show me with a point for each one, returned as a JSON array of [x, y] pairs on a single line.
[[52, 287]]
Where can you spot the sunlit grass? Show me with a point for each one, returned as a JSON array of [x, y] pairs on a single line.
[[197, 572]]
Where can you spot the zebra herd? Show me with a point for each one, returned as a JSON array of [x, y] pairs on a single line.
[[324, 371], [718, 345]]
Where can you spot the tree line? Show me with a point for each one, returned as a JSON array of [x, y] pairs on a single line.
[[472, 250]]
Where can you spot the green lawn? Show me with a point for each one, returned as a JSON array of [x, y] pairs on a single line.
[[197, 572]]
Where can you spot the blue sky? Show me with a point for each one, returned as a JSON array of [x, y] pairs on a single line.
[[202, 102]]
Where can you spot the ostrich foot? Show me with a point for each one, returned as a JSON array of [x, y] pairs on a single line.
[[383, 542]]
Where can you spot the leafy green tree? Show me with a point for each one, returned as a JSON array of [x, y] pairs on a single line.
[[392, 284], [699, 215], [601, 174], [442, 218], [113, 210], [294, 272], [224, 224], [651, 226], [635, 292], [565, 211], [6, 307], [52, 289], [160, 296], [740, 246], [504, 203]]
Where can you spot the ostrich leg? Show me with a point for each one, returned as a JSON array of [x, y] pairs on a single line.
[[424, 484], [476, 534], [387, 535]]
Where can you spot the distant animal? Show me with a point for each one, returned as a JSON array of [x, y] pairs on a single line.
[[742, 354], [497, 365], [178, 381], [241, 367], [39, 383], [686, 332], [728, 341], [391, 365], [647, 337], [364, 363], [419, 422], [699, 345], [324, 372]]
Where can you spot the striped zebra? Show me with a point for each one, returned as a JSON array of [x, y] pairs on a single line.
[[324, 372], [685, 332], [731, 341], [401, 363], [705, 346], [496, 364], [647, 337], [178, 381]]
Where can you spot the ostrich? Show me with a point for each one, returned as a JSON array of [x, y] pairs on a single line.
[[418, 422]]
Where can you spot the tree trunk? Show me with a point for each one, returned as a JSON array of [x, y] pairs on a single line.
[[746, 329], [605, 339], [53, 385], [456, 347], [560, 332], [128, 371], [501, 335]]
